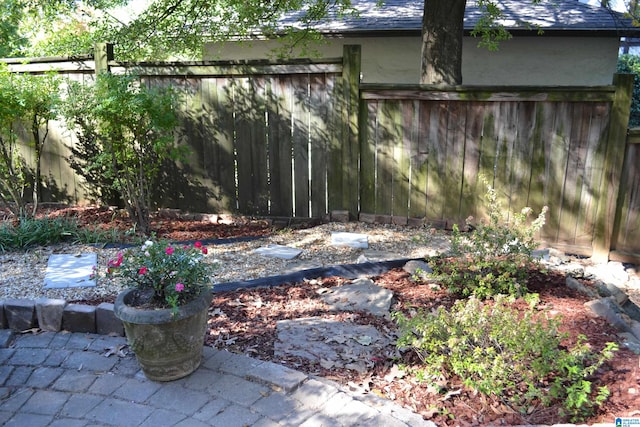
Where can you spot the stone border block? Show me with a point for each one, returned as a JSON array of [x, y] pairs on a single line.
[[49, 312], [79, 318], [340, 216], [277, 375], [3, 319], [399, 220], [106, 321], [20, 314]]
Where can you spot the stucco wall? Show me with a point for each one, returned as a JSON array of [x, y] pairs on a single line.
[[536, 60]]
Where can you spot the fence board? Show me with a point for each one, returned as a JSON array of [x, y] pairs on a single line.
[[388, 137], [320, 106], [419, 156], [279, 107], [436, 161], [368, 141], [301, 158]]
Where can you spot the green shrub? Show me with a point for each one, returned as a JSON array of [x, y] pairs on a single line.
[[494, 257], [497, 350], [631, 64], [125, 130]]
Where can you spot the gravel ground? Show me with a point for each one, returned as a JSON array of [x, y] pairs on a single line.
[[22, 274]]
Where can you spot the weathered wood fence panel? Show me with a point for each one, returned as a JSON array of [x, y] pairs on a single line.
[[627, 233], [259, 135], [535, 148]]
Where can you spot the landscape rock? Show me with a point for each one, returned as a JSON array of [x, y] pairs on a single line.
[[419, 269], [612, 273], [377, 256], [575, 284], [360, 295], [331, 343], [609, 310], [352, 240], [571, 269]]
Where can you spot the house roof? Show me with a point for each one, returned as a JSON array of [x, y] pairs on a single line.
[[520, 17]]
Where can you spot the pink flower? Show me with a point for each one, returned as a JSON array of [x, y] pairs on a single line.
[[179, 287], [205, 250], [169, 250], [143, 270], [116, 262], [197, 245]]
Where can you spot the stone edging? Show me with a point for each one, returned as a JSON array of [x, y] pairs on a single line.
[[56, 314]]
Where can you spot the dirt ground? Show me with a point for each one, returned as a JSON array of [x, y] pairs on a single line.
[[245, 321]]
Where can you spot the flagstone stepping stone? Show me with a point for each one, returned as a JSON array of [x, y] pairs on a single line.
[[353, 240], [331, 343], [70, 271], [360, 295], [278, 251]]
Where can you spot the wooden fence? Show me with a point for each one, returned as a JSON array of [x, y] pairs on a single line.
[[304, 138]]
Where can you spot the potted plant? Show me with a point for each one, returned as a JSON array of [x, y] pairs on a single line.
[[164, 311]]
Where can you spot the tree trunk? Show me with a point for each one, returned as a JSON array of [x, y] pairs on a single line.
[[442, 31]]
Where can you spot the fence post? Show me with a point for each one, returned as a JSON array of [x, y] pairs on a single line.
[[351, 148], [102, 55], [612, 169]]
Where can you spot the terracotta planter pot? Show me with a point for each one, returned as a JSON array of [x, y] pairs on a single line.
[[167, 347]]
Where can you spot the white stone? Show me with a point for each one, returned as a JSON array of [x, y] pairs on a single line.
[[278, 251], [353, 240], [70, 271]]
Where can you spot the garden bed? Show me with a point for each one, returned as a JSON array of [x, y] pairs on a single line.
[[244, 321]]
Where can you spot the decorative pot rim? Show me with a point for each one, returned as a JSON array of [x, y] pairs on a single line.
[[131, 314]]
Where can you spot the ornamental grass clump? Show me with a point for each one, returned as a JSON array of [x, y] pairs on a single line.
[[166, 275]]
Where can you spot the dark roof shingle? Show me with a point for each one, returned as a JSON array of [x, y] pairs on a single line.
[[522, 15]]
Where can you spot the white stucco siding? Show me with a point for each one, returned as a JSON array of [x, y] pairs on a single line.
[[563, 61], [537, 60]]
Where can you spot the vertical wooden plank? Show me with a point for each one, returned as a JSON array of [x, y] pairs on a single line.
[[524, 153], [300, 140], [279, 109], [628, 235], [336, 162], [420, 153], [352, 57], [251, 147], [320, 106], [454, 162], [471, 195], [593, 170], [506, 131], [437, 149], [488, 154], [575, 171], [402, 159], [614, 160], [388, 137], [221, 91], [368, 149]]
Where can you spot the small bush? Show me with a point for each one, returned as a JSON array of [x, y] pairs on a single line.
[[493, 258], [497, 351]]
